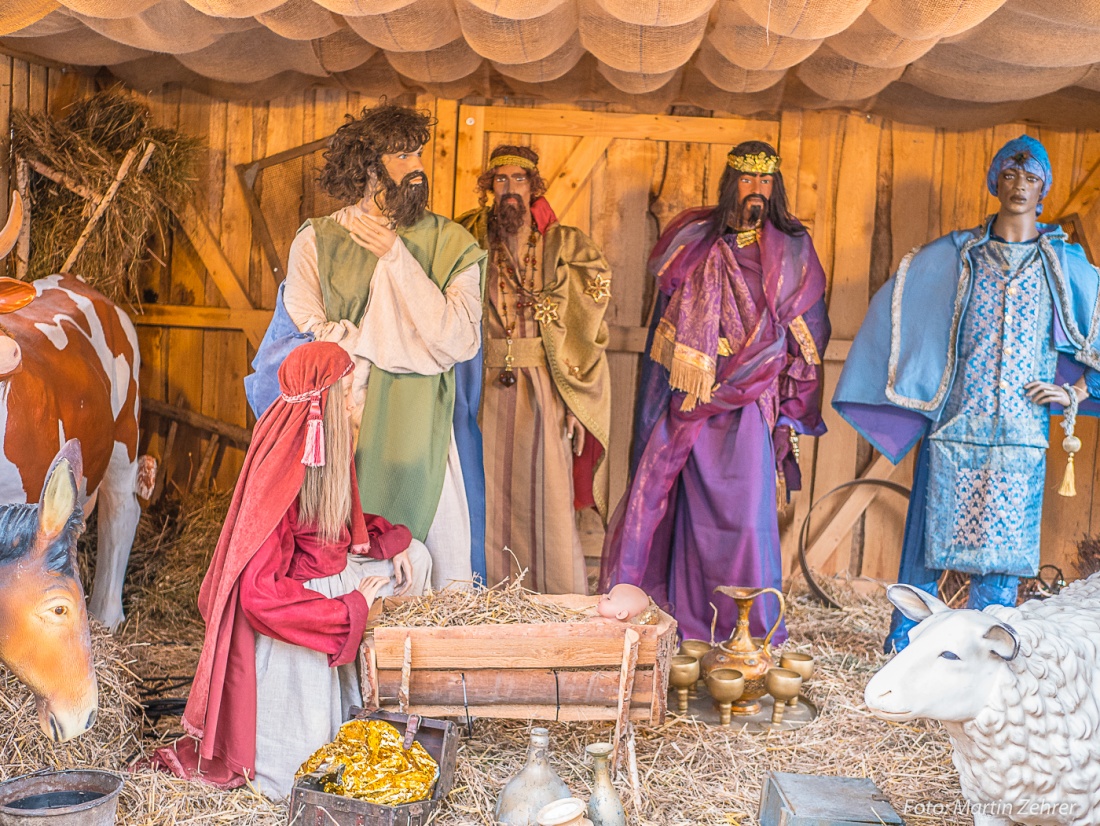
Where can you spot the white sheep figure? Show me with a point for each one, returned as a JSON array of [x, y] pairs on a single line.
[[1018, 691]]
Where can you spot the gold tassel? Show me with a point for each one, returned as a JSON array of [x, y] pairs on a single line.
[[1069, 485], [780, 491]]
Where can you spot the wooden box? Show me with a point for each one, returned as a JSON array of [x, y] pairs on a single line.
[[548, 671], [309, 806], [818, 800]]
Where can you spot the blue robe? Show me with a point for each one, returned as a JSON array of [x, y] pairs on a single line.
[[920, 366]]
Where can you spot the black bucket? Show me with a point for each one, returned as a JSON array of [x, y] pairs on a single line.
[[62, 798]]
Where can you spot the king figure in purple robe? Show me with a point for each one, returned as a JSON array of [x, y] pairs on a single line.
[[733, 377]]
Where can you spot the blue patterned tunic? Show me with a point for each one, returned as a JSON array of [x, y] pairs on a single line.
[[987, 451]]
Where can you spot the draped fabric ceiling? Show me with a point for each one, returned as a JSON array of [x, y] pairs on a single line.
[[941, 62]]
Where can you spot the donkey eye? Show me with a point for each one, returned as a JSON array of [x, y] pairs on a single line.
[[949, 655], [61, 610]]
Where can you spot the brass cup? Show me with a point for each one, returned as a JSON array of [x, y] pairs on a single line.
[[782, 684], [683, 674], [726, 685], [801, 663], [694, 648]]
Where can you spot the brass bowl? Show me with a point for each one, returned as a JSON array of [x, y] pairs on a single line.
[[801, 663], [694, 648], [726, 685], [782, 684], [682, 675]]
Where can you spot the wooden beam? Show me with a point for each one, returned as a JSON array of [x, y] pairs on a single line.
[[727, 131], [226, 279], [240, 436], [202, 318], [842, 522], [1084, 197], [566, 184], [469, 156]]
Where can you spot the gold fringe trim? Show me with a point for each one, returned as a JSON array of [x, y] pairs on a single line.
[[1069, 482], [801, 332], [688, 370]]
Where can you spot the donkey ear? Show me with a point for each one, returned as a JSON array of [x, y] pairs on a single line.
[[59, 495], [914, 603]]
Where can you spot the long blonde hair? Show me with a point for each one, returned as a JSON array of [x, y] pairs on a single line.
[[325, 498]]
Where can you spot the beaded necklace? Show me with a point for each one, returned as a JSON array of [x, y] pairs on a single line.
[[523, 286]]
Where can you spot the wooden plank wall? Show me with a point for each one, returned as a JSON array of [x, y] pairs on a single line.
[[869, 190]]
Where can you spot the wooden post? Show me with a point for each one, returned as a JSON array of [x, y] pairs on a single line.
[[108, 196], [626, 689], [406, 677]]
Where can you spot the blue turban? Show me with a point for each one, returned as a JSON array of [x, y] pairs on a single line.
[[1024, 153]]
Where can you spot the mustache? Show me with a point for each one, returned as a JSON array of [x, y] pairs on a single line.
[[753, 206]]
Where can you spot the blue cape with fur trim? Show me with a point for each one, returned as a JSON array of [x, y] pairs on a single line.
[[899, 372]]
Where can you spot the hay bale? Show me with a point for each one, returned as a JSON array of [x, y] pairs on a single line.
[[87, 147], [111, 743]]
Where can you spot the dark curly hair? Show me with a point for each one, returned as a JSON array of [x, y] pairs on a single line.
[[485, 179], [778, 213], [356, 149]]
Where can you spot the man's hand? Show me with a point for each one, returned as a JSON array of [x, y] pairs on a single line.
[[575, 431], [370, 586], [1041, 392], [372, 234], [402, 572]]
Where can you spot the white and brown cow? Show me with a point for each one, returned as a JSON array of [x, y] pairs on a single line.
[[69, 370]]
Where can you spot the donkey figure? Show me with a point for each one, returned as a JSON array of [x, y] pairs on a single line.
[[44, 635]]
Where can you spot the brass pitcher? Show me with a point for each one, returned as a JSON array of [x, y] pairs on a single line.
[[742, 652]]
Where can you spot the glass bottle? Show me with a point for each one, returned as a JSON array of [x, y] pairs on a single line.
[[536, 785], [604, 806]]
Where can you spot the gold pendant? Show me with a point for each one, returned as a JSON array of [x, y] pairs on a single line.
[[507, 376], [546, 311], [598, 288]]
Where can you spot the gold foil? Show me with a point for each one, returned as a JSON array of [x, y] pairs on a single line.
[[375, 766]]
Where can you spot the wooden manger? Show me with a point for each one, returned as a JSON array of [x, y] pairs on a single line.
[[547, 671]]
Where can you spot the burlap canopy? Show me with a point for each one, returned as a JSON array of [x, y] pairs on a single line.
[[944, 62]]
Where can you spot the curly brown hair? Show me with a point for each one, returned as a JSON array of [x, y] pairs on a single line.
[[356, 150], [485, 179]]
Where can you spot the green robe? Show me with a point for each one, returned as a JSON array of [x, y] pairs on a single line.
[[405, 434]]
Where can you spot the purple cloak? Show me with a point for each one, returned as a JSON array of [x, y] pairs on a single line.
[[701, 508]]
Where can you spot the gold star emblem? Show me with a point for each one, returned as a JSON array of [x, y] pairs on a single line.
[[546, 311], [598, 288]]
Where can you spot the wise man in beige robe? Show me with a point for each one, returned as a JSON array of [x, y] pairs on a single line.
[[546, 398]]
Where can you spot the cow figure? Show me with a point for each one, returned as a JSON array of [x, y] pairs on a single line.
[[44, 636], [69, 369]]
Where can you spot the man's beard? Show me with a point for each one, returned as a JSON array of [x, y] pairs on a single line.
[[509, 214], [752, 210], [404, 203]]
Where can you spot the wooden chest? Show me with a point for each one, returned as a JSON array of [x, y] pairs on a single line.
[[309, 806], [588, 670], [818, 800]]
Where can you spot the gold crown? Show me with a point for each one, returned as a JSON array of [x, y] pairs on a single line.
[[760, 164], [511, 160]]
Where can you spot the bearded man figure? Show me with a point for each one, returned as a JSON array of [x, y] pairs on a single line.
[[734, 377], [546, 396], [399, 288], [967, 347]]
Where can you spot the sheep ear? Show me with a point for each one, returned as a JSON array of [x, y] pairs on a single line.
[[1005, 643], [916, 604]]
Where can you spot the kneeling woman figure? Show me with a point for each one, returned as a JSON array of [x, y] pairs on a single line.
[[287, 594]]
